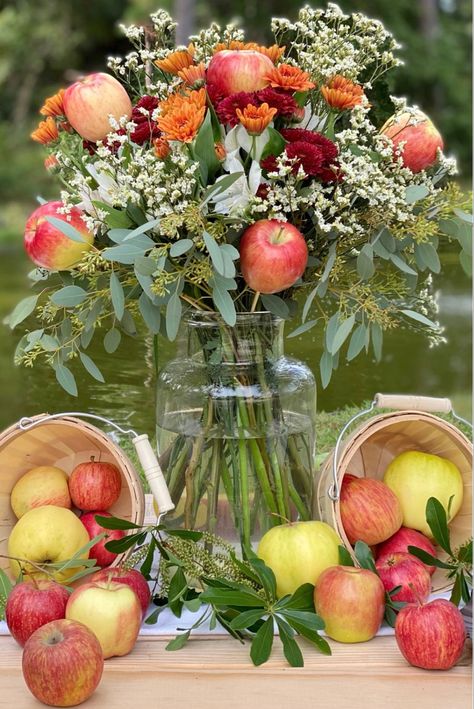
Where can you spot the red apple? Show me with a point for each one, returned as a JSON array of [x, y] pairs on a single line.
[[404, 538], [89, 103], [273, 255], [370, 511], [130, 577], [420, 138], [62, 663], [351, 601], [431, 635], [103, 556], [95, 485], [111, 610], [231, 71], [47, 246], [405, 570], [32, 604]]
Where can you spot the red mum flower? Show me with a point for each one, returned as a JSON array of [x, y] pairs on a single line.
[[315, 153], [226, 109], [309, 157], [146, 129], [283, 101]]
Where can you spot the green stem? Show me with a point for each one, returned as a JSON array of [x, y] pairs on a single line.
[[213, 487], [244, 493], [302, 509], [297, 466], [191, 469]]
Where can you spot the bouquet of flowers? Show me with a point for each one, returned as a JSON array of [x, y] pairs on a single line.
[[227, 178]]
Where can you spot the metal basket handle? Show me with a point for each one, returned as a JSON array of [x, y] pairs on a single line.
[[398, 402], [146, 455]]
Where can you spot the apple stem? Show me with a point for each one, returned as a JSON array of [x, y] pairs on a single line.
[[282, 517], [92, 458], [416, 594], [255, 301]]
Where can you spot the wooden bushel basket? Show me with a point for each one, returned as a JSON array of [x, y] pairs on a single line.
[[367, 451], [63, 441]]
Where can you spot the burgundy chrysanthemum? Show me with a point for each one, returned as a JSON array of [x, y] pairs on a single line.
[[309, 157], [226, 109], [283, 101], [269, 163], [309, 136], [146, 129], [315, 153]]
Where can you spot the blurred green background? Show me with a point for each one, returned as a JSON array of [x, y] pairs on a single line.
[[44, 44]]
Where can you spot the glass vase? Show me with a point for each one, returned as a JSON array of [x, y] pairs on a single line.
[[235, 424]]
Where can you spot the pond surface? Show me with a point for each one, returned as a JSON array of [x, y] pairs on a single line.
[[409, 365]]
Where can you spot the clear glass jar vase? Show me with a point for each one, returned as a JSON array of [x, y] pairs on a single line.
[[236, 428]]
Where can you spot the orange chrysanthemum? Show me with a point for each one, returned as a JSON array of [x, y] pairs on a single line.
[[220, 151], [290, 78], [193, 75], [274, 52], [175, 101], [161, 148], [255, 118], [53, 106], [341, 93], [51, 162], [176, 61], [183, 123], [46, 132]]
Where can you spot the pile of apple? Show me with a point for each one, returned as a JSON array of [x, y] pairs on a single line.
[[67, 635], [389, 516]]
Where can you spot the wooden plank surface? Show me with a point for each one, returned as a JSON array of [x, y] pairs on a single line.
[[216, 672]]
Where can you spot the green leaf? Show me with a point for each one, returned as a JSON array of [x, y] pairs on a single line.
[[181, 247], [215, 253], [193, 604], [275, 145], [437, 522], [178, 642], [118, 546], [115, 523], [402, 265], [326, 368], [69, 296], [21, 311], [429, 256], [466, 263], [246, 619], [128, 323], [205, 152], [310, 635], [331, 329], [357, 342], [341, 335], [266, 576], [223, 300], [66, 379], [91, 367], [190, 534], [177, 588], [67, 229], [142, 229], [377, 340], [174, 309], [465, 216], [331, 259], [275, 305], [309, 619], [112, 340], [127, 253], [291, 649], [419, 318], [231, 597], [136, 214], [414, 193], [147, 562], [116, 218], [49, 343], [365, 262], [428, 558], [456, 591], [302, 328], [145, 265], [345, 559], [302, 599], [153, 617], [117, 296], [150, 313], [262, 643], [364, 556], [5, 588]]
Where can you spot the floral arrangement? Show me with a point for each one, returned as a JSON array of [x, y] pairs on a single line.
[[165, 167]]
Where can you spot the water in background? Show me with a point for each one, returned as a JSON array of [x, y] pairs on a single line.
[[408, 365]]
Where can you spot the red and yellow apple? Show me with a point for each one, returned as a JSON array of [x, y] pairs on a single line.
[[94, 485], [351, 601], [89, 103], [431, 635], [44, 485], [111, 610], [370, 511], [231, 71], [129, 577], [273, 255], [414, 477], [103, 556], [414, 134], [405, 570], [62, 663], [46, 534], [298, 553], [47, 246], [31, 605], [404, 538]]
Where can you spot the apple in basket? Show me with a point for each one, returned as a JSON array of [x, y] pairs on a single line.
[[370, 511], [414, 135], [44, 485], [62, 663], [90, 102], [94, 485], [273, 255], [404, 538], [414, 477], [431, 635], [103, 556], [33, 604], [111, 610], [231, 71], [351, 601], [129, 577], [298, 553], [47, 246], [405, 570]]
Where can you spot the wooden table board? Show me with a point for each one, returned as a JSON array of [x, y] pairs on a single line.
[[216, 672]]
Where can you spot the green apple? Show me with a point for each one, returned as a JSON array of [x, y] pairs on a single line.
[[298, 553], [46, 534], [415, 477]]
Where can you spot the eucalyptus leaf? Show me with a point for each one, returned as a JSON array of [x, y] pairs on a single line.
[[342, 333], [414, 193], [112, 340], [275, 305], [49, 343], [69, 297], [466, 263], [91, 367], [128, 252], [331, 259], [215, 253], [357, 342], [142, 229], [429, 256], [145, 265], [365, 262], [402, 265], [419, 318], [173, 315], [65, 378], [118, 235], [465, 216], [178, 248], [262, 643], [223, 300], [377, 340], [117, 295], [331, 329], [326, 368], [21, 311], [67, 229], [150, 313], [302, 328], [128, 323], [308, 303]]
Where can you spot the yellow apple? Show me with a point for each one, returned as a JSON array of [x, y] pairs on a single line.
[[44, 485], [298, 553], [47, 533], [415, 477], [111, 610]]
